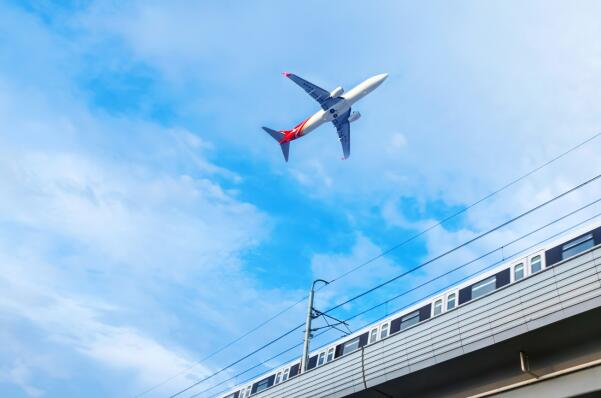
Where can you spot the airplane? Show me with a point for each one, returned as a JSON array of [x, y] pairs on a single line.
[[335, 108]]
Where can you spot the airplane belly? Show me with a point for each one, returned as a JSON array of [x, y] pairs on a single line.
[[356, 94], [337, 109], [324, 116], [360, 91], [314, 122]]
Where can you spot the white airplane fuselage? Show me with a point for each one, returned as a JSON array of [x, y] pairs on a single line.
[[348, 99]]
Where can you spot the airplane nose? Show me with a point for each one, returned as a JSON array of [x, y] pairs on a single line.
[[378, 79]]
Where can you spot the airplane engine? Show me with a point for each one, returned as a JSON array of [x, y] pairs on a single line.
[[337, 92], [354, 116]]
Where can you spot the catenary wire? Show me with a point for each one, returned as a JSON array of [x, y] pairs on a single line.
[[405, 306], [496, 263], [238, 360], [231, 343], [481, 257], [565, 216], [256, 366], [464, 244], [380, 255], [555, 198], [463, 210]]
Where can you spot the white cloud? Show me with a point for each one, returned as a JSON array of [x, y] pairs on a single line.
[[131, 238], [397, 143], [312, 174], [123, 213], [102, 236], [20, 374], [329, 266], [475, 121], [78, 323]]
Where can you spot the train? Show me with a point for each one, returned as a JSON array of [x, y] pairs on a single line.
[[540, 259]]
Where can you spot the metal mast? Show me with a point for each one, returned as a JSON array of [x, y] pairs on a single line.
[[310, 316]]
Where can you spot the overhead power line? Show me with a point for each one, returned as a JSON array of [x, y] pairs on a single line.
[[499, 248], [446, 253], [433, 293], [254, 367], [231, 343], [361, 265], [463, 210], [238, 360], [466, 243]]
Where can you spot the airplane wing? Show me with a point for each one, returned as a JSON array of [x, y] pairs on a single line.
[[343, 127], [319, 94]]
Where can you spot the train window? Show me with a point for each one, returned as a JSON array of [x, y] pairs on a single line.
[[535, 264], [437, 308], [451, 301], [384, 331], [518, 271], [483, 287], [278, 377], [243, 393], [322, 358], [232, 395], [577, 246], [373, 335], [409, 320], [330, 354], [263, 385], [285, 376], [351, 345], [248, 390]]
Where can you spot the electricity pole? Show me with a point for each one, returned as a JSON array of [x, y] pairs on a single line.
[[305, 357]]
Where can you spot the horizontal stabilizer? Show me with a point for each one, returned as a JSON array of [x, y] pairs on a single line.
[[278, 137], [275, 134]]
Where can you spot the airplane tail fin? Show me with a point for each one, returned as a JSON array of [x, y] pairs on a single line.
[[285, 149], [278, 137]]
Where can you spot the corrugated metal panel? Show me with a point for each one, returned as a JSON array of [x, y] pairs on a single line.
[[553, 294]]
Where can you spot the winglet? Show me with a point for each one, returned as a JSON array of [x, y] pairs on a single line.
[[286, 74]]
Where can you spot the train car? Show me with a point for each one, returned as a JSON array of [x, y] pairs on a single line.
[[513, 271]]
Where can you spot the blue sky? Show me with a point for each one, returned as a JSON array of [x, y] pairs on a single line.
[[146, 219]]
